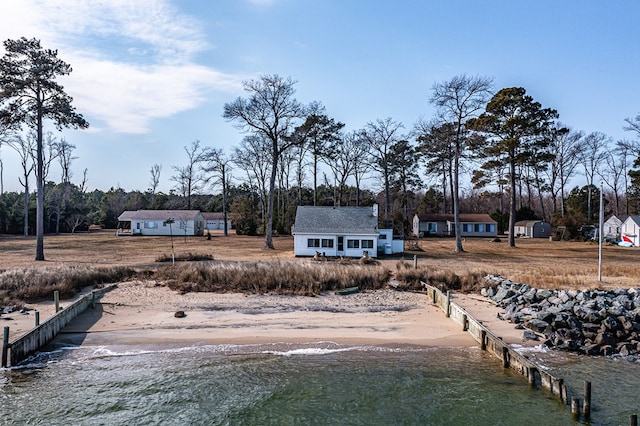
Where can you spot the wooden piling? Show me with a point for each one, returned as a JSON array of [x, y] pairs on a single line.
[[465, 322], [56, 300], [483, 340], [5, 347], [448, 311], [505, 357], [575, 407], [586, 405], [531, 375], [415, 261], [37, 315]]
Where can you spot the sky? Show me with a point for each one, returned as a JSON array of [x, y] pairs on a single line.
[[152, 76]]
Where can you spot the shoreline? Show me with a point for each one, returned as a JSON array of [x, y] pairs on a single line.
[[141, 313]]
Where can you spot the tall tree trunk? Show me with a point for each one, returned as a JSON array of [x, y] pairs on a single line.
[[456, 204], [268, 240], [39, 187], [26, 208], [224, 200], [512, 207]]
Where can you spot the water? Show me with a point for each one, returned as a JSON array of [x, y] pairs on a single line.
[[313, 384], [615, 383]]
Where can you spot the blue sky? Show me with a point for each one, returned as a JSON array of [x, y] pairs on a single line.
[[151, 76]]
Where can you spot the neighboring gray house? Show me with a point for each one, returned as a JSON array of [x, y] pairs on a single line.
[[532, 229], [338, 231], [630, 230], [154, 222], [439, 225], [215, 220]]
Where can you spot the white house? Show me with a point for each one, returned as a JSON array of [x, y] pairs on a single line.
[[532, 229], [472, 225], [613, 225], [157, 222], [338, 231], [215, 220], [630, 230]]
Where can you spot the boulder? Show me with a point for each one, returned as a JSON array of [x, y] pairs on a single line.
[[538, 325]]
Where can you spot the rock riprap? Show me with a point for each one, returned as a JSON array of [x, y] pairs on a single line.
[[593, 322]]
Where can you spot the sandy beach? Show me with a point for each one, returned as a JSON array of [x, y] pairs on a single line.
[[144, 313]]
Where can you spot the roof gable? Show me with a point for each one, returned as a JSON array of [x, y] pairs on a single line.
[[342, 220]]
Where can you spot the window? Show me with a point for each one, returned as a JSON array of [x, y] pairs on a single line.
[[367, 244], [182, 224], [467, 227], [313, 242], [353, 244], [327, 243], [432, 227], [490, 227], [150, 224], [382, 236], [478, 227]]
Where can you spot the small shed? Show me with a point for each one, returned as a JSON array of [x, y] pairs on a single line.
[[532, 229]]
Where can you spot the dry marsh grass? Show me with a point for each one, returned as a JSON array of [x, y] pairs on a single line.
[[306, 279], [36, 284]]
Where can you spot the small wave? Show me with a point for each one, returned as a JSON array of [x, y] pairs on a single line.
[[309, 351]]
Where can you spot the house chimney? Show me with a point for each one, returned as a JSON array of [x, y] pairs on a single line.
[[375, 210]]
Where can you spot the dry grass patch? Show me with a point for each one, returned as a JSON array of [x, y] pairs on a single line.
[[278, 277], [36, 284], [443, 279]]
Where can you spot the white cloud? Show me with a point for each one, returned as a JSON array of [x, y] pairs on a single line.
[[132, 60]]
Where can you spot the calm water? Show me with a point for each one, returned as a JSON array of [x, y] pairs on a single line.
[[320, 383]]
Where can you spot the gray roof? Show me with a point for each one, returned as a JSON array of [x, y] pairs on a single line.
[[335, 220], [129, 215]]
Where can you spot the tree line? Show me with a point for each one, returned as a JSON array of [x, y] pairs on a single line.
[[483, 151]]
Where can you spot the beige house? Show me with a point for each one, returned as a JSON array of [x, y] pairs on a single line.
[[161, 222], [441, 225]]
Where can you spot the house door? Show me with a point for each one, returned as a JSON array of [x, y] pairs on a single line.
[[340, 245]]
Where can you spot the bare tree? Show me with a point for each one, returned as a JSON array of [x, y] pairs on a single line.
[[381, 135], [190, 179], [343, 162], [592, 152], [615, 174], [270, 110], [24, 147], [633, 125], [254, 157], [219, 167], [459, 100], [564, 147], [65, 158], [154, 182]]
